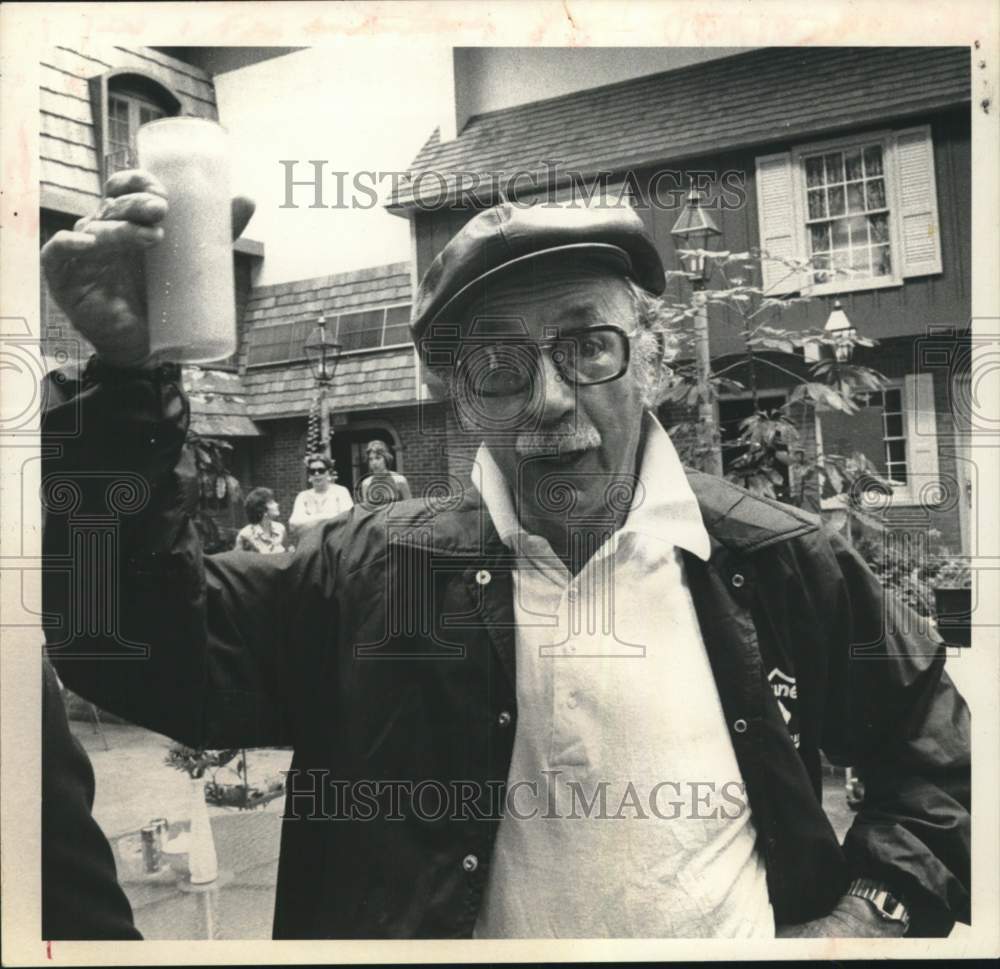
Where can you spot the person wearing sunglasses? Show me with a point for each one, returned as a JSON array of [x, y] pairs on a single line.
[[320, 502], [585, 694]]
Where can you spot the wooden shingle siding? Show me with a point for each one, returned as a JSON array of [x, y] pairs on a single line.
[[70, 166]]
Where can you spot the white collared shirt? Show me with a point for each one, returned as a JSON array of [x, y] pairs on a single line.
[[616, 701]]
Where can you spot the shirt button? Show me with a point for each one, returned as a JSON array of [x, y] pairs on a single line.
[[740, 726], [483, 577], [470, 863], [572, 595], [737, 581], [504, 719], [571, 702]]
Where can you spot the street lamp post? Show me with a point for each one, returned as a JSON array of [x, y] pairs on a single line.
[[323, 354], [695, 231], [842, 331]]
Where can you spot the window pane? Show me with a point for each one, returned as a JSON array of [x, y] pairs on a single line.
[[817, 205], [896, 450], [879, 225], [852, 165], [840, 234], [269, 344], [873, 160], [841, 259], [893, 425], [836, 200], [117, 108], [297, 342], [148, 113], [834, 168], [860, 262], [821, 265], [819, 237], [856, 197], [360, 331], [881, 261], [397, 326], [859, 231], [876, 194], [897, 472], [814, 172], [894, 401]]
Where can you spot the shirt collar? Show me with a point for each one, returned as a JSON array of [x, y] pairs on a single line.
[[664, 508]]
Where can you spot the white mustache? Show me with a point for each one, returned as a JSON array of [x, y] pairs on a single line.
[[559, 441]]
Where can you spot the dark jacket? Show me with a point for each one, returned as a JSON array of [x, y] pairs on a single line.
[[81, 897], [383, 650]]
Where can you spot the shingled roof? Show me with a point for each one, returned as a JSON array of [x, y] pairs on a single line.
[[748, 99], [365, 380], [218, 404]]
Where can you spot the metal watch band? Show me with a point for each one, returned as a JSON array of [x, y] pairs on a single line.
[[888, 906]]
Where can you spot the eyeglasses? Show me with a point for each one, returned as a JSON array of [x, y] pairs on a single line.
[[508, 368], [317, 470]]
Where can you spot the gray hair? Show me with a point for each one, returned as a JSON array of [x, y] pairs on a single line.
[[655, 346]]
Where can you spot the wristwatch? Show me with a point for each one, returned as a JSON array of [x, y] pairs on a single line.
[[888, 906]]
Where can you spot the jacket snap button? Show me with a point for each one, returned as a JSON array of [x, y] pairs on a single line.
[[738, 581], [740, 726], [470, 863], [483, 577], [504, 719]]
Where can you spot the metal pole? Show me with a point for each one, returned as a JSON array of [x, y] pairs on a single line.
[[324, 422], [708, 424]]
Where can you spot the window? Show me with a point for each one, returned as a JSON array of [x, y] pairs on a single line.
[[126, 112], [120, 101], [862, 210], [397, 326], [847, 213], [364, 330], [896, 430], [887, 408], [360, 331]]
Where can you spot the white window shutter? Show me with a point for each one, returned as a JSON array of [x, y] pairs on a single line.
[[921, 435], [779, 230], [919, 236]]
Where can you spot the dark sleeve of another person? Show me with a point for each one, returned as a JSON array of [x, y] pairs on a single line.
[[81, 897]]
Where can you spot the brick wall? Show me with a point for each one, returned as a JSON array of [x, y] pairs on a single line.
[[276, 461]]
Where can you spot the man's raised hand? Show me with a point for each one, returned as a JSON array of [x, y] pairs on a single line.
[[96, 272]]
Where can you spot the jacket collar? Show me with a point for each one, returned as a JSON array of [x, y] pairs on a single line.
[[733, 518]]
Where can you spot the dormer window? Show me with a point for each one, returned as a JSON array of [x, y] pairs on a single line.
[[122, 101], [126, 112]]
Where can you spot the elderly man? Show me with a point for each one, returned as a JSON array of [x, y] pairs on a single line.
[[587, 698]]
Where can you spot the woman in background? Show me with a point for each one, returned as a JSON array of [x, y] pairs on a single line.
[[322, 501], [264, 534], [382, 486]]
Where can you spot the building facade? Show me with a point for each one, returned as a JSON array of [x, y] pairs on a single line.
[[856, 159], [93, 99]]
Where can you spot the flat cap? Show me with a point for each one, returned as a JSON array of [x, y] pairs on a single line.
[[507, 236]]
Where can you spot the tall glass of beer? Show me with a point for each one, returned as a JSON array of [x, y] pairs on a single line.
[[189, 275]]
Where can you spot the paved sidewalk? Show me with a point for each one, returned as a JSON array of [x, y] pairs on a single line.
[[134, 786]]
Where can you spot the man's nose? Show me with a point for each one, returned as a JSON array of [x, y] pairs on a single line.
[[558, 394]]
